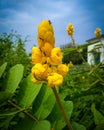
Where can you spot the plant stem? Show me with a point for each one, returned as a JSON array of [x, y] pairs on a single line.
[[23, 110], [62, 109], [73, 41]]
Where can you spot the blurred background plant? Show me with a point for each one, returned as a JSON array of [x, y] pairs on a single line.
[[12, 51]]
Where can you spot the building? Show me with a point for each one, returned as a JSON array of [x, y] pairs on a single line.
[[95, 50]]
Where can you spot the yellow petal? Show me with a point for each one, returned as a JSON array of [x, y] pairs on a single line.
[[56, 56], [36, 55], [62, 69], [55, 80]]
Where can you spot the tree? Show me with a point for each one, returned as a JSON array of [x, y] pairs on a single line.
[[12, 51], [72, 54]]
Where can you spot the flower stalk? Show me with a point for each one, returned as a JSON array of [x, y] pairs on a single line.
[[62, 109], [73, 41], [70, 31]]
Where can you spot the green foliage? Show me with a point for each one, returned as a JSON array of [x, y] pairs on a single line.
[[98, 117], [14, 76], [77, 126], [2, 68], [28, 92], [56, 117], [9, 113], [85, 86], [43, 125], [12, 51], [74, 54], [27, 106], [37, 102], [28, 124], [4, 96], [44, 104]]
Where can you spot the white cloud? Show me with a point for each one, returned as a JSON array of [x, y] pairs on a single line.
[[26, 19]]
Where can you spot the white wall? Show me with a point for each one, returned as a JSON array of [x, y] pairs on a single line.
[[90, 56]]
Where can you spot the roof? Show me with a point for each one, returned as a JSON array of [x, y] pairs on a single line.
[[95, 39]]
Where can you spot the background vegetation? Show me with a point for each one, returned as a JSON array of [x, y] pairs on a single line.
[[26, 106]]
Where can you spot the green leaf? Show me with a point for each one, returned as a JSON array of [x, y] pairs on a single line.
[[14, 77], [44, 103], [37, 102], [28, 92], [42, 125], [77, 126], [4, 96], [2, 68], [56, 117], [28, 124], [98, 117]]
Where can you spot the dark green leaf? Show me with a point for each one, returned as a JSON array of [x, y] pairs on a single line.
[[4, 96], [28, 124], [99, 127]]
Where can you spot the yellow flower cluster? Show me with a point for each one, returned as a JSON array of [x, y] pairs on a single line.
[[45, 35], [70, 64], [98, 32], [70, 29], [47, 59]]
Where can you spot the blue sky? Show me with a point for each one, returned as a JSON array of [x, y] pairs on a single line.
[[25, 15]]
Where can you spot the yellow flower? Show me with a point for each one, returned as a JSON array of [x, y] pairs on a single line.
[[49, 37], [34, 80], [45, 33], [47, 24], [41, 33], [98, 32], [46, 49], [36, 55], [70, 64], [55, 79], [39, 71], [40, 42], [56, 56], [70, 29], [62, 69], [52, 69], [48, 66]]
